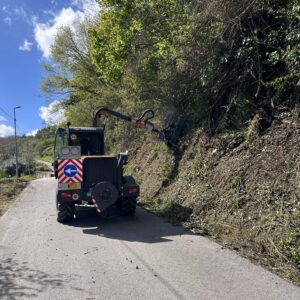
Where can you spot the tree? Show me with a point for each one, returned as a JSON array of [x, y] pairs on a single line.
[[219, 63]]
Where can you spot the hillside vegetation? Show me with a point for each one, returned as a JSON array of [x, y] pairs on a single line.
[[29, 149], [26, 151], [244, 193], [217, 62], [232, 69]]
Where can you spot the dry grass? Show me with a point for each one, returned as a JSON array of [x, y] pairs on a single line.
[[9, 190]]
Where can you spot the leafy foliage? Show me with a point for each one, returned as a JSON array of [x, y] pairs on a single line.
[[44, 141], [219, 63]]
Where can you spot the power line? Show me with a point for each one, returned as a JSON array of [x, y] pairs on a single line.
[[7, 114]]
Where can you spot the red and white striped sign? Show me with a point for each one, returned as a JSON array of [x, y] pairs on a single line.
[[70, 170]]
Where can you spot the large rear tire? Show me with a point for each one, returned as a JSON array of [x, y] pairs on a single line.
[[65, 212], [127, 206]]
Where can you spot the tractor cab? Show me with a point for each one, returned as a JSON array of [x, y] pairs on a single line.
[[89, 139], [88, 177]]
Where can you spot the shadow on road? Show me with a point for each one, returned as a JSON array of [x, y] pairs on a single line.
[[143, 227], [18, 281]]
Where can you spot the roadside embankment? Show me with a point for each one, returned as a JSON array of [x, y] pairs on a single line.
[[240, 188], [10, 188]]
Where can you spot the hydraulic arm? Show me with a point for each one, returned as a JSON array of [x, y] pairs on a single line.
[[170, 134]]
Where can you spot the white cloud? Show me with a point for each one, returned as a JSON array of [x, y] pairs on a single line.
[[52, 114], [7, 20], [19, 11], [90, 7], [26, 46], [47, 12], [45, 33], [5, 9], [6, 130], [32, 133], [13, 13], [2, 119]]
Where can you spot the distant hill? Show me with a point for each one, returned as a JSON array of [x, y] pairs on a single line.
[[26, 150], [7, 149]]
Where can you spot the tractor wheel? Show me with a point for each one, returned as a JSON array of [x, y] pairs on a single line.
[[127, 206], [65, 212], [57, 200]]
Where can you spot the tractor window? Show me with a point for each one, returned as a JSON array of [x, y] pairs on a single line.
[[91, 143], [60, 141]]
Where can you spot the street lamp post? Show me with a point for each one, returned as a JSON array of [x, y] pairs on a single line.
[[15, 122]]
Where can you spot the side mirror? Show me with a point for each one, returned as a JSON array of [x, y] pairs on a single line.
[[123, 158]]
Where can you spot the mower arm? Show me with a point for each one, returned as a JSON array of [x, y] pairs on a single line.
[[169, 135], [141, 122]]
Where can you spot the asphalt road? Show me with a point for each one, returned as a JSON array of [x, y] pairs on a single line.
[[139, 258]]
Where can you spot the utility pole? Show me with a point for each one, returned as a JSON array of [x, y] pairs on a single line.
[[16, 142]]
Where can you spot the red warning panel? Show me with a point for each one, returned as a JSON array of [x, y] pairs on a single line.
[[70, 170]]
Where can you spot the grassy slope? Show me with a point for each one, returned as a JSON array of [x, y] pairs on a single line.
[[9, 190], [240, 188]]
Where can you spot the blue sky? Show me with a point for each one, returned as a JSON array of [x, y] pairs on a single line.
[[27, 30]]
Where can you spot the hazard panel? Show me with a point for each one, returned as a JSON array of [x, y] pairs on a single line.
[[70, 170]]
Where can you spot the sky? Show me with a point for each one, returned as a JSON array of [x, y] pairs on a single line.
[[27, 30]]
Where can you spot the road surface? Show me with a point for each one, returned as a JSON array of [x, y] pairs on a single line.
[[138, 258]]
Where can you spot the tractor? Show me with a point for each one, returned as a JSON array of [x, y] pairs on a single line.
[[88, 177]]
